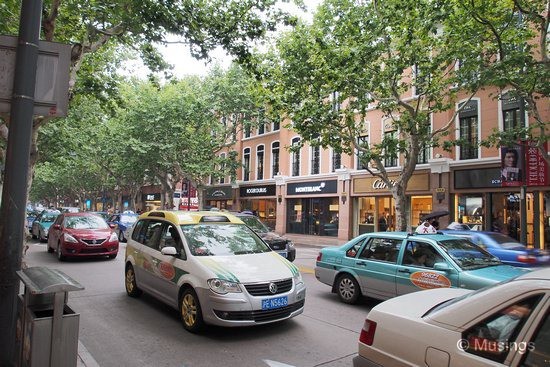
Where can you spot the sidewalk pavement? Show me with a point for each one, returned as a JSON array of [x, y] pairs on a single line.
[[85, 359]]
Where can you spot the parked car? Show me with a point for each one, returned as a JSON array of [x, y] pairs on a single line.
[[123, 221], [279, 244], [504, 325], [70, 209], [212, 268], [41, 225], [507, 249], [103, 215], [31, 216], [82, 235], [383, 265]]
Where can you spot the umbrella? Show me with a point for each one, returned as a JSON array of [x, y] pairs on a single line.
[[436, 214]]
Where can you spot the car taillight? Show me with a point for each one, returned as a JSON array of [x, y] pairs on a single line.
[[367, 334], [320, 256], [530, 259]]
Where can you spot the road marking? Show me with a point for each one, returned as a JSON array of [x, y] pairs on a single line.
[[276, 364]]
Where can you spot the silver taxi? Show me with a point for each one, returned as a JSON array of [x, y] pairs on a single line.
[[212, 268]]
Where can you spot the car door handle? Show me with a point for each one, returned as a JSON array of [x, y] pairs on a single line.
[[404, 271], [362, 263]]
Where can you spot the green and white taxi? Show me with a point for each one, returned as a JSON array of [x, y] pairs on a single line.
[[212, 268], [387, 264]]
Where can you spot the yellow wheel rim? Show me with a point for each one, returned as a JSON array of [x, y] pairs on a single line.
[[130, 278], [189, 310]]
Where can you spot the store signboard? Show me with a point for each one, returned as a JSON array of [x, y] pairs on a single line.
[[258, 190], [312, 188], [537, 170]]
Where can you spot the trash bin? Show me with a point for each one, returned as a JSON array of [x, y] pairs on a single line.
[[47, 328]]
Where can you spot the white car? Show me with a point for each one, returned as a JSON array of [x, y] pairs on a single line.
[[503, 325], [212, 268]]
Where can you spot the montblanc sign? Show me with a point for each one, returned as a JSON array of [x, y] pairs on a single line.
[[312, 188]]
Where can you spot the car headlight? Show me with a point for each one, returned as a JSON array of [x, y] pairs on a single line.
[[46, 231], [68, 238], [221, 286], [113, 237], [298, 279]]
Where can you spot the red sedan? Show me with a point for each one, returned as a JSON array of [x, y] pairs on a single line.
[[82, 235]]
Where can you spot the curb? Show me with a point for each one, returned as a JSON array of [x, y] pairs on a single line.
[[85, 359]]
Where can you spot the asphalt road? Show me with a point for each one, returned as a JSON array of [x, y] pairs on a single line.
[[117, 330]]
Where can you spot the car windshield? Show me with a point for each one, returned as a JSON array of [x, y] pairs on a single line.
[[254, 223], [128, 218], [505, 241], [85, 222], [467, 255], [222, 239]]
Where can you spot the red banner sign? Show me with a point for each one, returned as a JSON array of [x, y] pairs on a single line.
[[536, 167]]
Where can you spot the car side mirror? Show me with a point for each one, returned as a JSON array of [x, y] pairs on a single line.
[[170, 251], [442, 266], [112, 225], [57, 226]]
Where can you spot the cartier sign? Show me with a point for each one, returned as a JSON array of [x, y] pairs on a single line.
[[418, 182], [379, 184]]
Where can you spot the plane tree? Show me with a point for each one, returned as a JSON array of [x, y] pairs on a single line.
[[101, 32], [516, 34], [359, 56]]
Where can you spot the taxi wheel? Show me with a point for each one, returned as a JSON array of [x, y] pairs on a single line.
[[130, 282], [190, 311], [348, 289]]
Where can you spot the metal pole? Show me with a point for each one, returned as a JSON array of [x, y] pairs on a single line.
[[188, 195], [14, 193]]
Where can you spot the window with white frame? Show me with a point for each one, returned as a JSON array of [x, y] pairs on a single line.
[[315, 160], [246, 164], [511, 118], [275, 158], [362, 141], [468, 130], [222, 167], [260, 162], [336, 161], [390, 157], [295, 160]]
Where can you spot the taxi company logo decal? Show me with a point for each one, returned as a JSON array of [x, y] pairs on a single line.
[[167, 270], [429, 280]]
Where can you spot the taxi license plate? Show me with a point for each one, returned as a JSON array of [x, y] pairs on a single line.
[[271, 303]]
